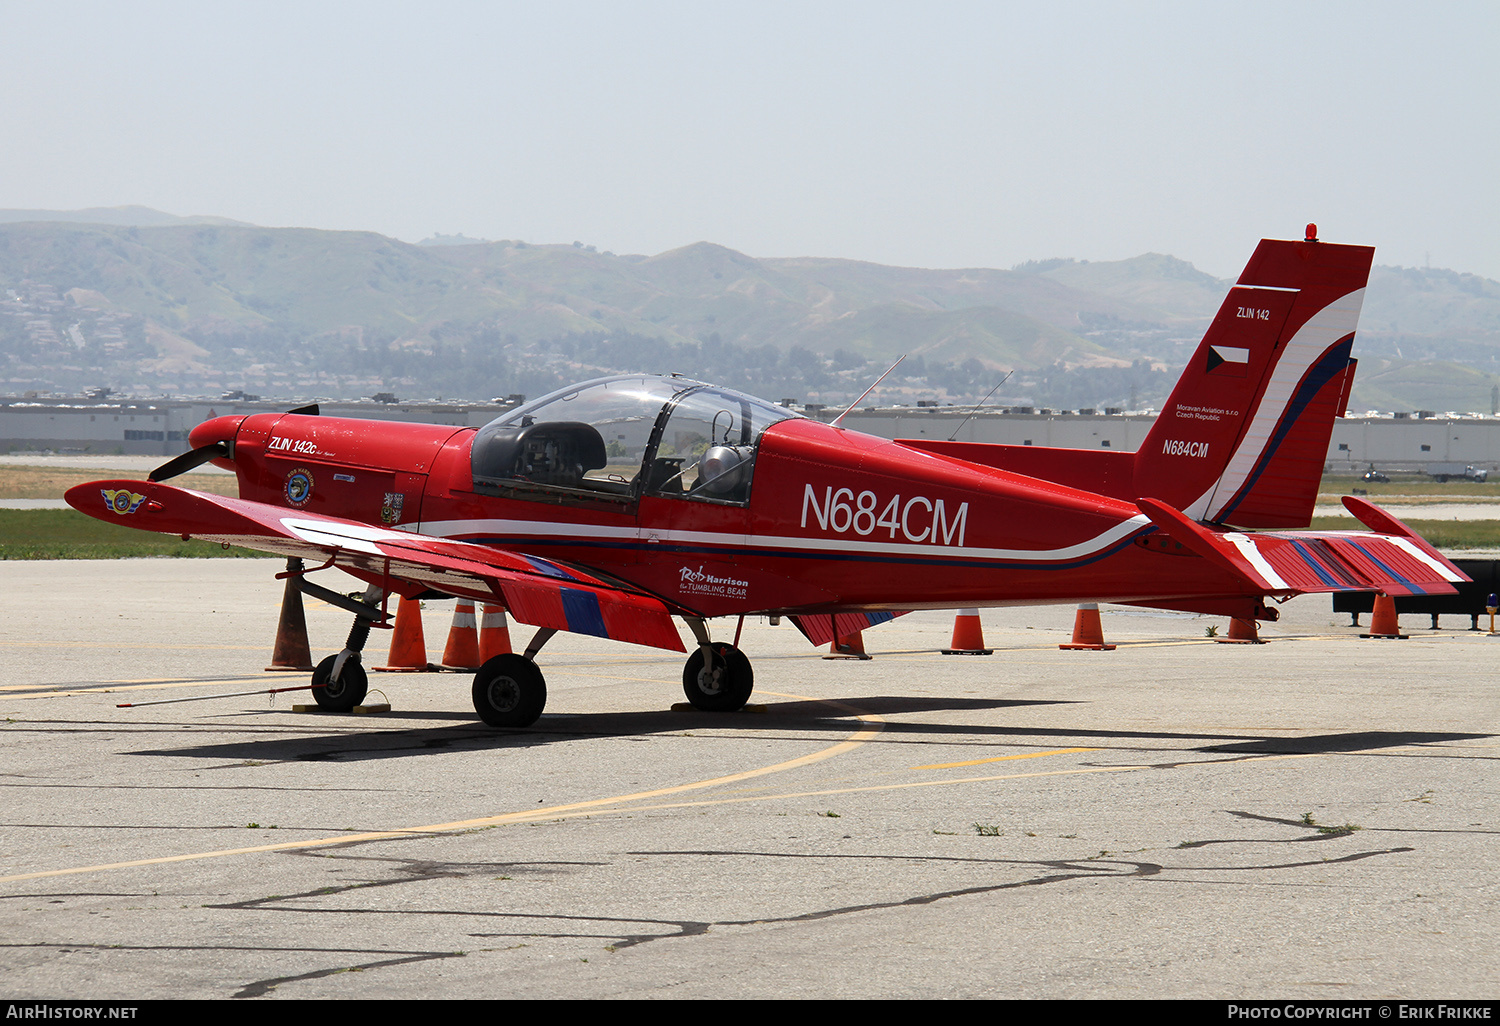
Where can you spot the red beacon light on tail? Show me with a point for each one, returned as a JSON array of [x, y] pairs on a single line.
[[1312, 233]]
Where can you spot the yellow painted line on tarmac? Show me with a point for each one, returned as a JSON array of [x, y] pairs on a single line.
[[154, 646], [872, 725], [121, 687], [850, 790], [833, 791], [1044, 647], [617, 676], [1004, 758]]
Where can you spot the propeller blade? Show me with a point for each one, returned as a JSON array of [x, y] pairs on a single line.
[[189, 460], [310, 410]]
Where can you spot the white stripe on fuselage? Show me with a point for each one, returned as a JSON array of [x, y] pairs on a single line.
[[587, 532]]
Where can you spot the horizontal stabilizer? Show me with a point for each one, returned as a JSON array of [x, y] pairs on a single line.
[[535, 591], [1389, 558]]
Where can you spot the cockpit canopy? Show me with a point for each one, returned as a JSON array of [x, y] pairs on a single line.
[[626, 436]]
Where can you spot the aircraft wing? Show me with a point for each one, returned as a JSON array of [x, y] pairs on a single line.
[[535, 591], [1389, 557]]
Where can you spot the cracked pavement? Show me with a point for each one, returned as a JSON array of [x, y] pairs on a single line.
[[1310, 818]]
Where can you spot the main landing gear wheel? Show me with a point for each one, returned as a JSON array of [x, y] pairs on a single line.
[[509, 692], [722, 687], [343, 694]]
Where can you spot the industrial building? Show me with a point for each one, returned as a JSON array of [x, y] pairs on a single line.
[[1402, 442]]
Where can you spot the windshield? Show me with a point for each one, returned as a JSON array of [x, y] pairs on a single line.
[[628, 435]]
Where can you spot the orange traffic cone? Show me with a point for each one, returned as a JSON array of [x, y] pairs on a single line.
[[408, 649], [291, 651], [968, 635], [850, 646], [494, 633], [1383, 620], [461, 653], [1088, 633], [1241, 632]]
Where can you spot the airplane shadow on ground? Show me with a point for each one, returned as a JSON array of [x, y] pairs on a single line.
[[1329, 744], [350, 744]]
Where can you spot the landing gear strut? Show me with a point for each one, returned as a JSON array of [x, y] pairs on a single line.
[[340, 682]]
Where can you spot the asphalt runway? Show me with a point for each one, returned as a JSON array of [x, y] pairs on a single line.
[[1311, 818]]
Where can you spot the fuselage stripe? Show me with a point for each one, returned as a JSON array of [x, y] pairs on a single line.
[[479, 531], [522, 542]]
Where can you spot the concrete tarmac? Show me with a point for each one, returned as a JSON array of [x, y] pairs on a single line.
[[1313, 818]]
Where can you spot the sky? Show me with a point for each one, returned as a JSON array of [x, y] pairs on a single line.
[[929, 134]]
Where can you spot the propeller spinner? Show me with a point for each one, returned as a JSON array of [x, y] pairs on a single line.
[[212, 440]]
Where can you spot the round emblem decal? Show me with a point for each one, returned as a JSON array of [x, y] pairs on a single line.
[[299, 487]]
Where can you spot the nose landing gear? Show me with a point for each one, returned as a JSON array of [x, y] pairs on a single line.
[[347, 691], [340, 682]]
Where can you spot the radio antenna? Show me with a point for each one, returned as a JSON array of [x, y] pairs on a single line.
[[835, 421], [981, 403]]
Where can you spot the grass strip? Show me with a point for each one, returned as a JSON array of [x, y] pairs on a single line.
[[1441, 534], [68, 534], [50, 482], [1410, 484]]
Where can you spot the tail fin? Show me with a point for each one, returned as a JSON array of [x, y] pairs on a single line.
[[1244, 436]]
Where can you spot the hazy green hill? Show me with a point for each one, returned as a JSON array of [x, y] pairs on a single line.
[[205, 278], [861, 284], [704, 290], [163, 302], [128, 215], [1431, 301], [1441, 386], [998, 339], [1169, 288]]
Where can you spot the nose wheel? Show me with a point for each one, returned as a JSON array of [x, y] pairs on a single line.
[[509, 691], [340, 683], [342, 694], [722, 684]]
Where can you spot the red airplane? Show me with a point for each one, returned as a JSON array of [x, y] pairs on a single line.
[[612, 506]]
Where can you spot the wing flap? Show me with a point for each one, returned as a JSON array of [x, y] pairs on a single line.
[[823, 629], [535, 591]]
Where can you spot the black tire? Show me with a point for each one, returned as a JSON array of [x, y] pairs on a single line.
[[346, 692], [509, 692], [723, 687]]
